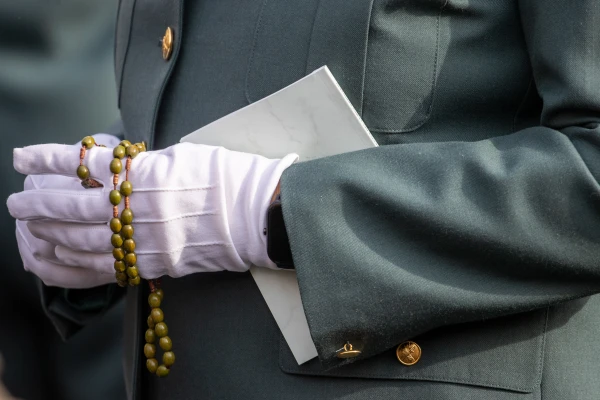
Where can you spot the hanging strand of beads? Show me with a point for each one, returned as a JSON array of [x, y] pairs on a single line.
[[126, 260], [125, 265]]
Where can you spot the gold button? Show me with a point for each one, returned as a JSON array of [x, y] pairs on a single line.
[[408, 353], [167, 44], [348, 351]]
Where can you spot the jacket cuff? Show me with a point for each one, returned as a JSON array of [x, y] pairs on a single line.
[[70, 310]]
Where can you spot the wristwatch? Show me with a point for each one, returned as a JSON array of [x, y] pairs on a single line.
[[278, 244]]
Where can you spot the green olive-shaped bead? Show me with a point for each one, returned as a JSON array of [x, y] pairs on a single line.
[[152, 365], [150, 322], [122, 283], [160, 293], [165, 343], [157, 315], [126, 188], [150, 336], [133, 151], [118, 253], [116, 240], [83, 172], [120, 266], [125, 143], [161, 329], [154, 300], [141, 146], [169, 358], [88, 142], [130, 259], [121, 276], [115, 225], [129, 245], [132, 272], [127, 216], [149, 350], [119, 152], [127, 231], [115, 197], [162, 371], [134, 281], [116, 166]]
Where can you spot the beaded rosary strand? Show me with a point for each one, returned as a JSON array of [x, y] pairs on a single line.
[[125, 265]]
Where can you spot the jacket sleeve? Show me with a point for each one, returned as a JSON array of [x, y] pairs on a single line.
[[395, 241]]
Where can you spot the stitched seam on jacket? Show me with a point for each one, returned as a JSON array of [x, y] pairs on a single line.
[[254, 42], [364, 72], [433, 84], [123, 62], [521, 104]]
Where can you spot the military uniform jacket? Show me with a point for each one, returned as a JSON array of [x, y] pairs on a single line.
[[473, 230]]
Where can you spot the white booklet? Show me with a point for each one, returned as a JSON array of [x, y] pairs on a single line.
[[313, 118]]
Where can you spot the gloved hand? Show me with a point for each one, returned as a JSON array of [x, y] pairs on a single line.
[[196, 208], [39, 255]]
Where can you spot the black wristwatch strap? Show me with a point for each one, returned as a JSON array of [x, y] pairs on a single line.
[[278, 244]]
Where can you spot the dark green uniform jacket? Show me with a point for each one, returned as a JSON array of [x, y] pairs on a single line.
[[473, 230]]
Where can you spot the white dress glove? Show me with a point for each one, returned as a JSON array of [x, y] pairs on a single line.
[[39, 255], [196, 209]]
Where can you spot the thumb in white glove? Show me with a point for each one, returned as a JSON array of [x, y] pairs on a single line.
[[196, 208]]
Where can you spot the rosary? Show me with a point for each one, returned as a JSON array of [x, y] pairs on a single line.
[[126, 269]]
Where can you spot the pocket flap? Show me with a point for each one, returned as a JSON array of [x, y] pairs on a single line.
[[504, 353]]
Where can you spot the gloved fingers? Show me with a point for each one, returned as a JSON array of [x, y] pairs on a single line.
[[38, 248], [61, 159], [66, 205], [99, 262], [33, 182], [76, 236], [52, 273]]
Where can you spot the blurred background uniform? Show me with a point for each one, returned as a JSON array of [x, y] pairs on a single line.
[[56, 85]]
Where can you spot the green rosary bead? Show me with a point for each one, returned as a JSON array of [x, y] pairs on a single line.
[[83, 172], [121, 276], [116, 166], [150, 336], [119, 152], [141, 146], [115, 197], [152, 365], [150, 322], [126, 188], [127, 216], [116, 240], [120, 266], [154, 300], [149, 350], [118, 253], [135, 281], [161, 329], [115, 225], [157, 315], [88, 142], [129, 245], [133, 151], [169, 358], [162, 371], [165, 343], [130, 259], [122, 283], [125, 143], [127, 231], [132, 272], [160, 293]]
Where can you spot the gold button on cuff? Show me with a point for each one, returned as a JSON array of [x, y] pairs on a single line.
[[408, 353], [167, 44], [347, 351]]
